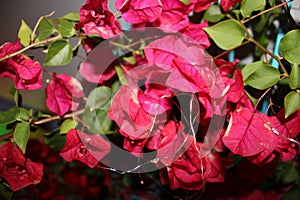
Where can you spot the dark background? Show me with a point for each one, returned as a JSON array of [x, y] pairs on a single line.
[[11, 14]]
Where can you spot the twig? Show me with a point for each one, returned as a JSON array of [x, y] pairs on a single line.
[[31, 46], [6, 136], [263, 12], [271, 54], [37, 25], [277, 58], [227, 51], [56, 117]]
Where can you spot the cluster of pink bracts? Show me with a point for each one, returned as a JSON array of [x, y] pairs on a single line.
[[183, 69]]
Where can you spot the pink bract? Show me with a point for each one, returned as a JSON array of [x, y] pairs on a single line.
[[63, 93], [139, 11], [89, 149], [17, 170], [228, 4], [26, 73], [97, 19]]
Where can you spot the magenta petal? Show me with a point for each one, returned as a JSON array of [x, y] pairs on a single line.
[[139, 11]]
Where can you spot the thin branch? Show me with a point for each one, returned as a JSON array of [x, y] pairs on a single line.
[[56, 117], [265, 11], [6, 136], [31, 46], [227, 51], [277, 58], [262, 96], [37, 25]]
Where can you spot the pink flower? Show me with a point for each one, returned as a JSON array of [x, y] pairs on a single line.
[[63, 93], [89, 149], [174, 15], [140, 11], [189, 171], [191, 70], [228, 4], [137, 112], [97, 19], [195, 31], [201, 5], [26, 73], [17, 170]]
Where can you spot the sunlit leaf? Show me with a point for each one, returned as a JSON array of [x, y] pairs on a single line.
[[260, 75], [21, 135], [72, 16], [290, 46], [213, 13], [67, 125], [24, 33], [226, 34], [248, 6], [46, 29], [59, 53], [294, 80], [66, 28], [291, 103]]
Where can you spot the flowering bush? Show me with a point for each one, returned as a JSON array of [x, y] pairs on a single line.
[[163, 96]]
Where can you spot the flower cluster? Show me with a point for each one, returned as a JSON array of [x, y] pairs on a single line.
[[163, 94]]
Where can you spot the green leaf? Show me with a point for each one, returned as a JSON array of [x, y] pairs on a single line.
[[99, 98], [97, 106], [249, 69], [253, 99], [290, 174], [55, 140], [67, 125], [186, 2], [66, 28], [260, 75], [294, 80], [21, 135], [131, 60], [121, 76], [97, 121], [59, 53], [24, 33], [291, 103], [248, 6], [5, 192], [226, 34], [17, 97], [292, 194], [3, 129], [290, 46], [213, 13], [9, 116], [46, 29], [23, 115], [72, 16]]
